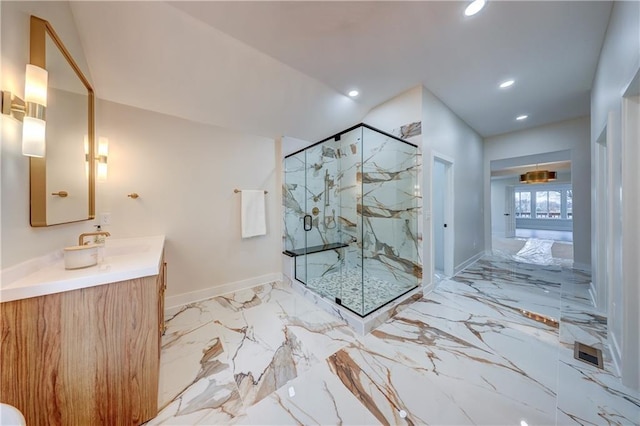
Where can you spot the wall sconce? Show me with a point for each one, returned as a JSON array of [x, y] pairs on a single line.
[[103, 153], [31, 110], [101, 158]]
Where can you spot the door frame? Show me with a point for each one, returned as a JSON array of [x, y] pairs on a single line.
[[601, 235], [630, 351], [449, 195]]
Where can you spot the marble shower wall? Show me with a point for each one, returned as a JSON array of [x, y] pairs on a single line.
[[369, 182], [390, 209]]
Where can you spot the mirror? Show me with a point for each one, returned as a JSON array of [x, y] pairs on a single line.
[[63, 182]]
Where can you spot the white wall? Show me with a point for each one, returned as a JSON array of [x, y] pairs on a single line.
[[572, 135], [185, 174], [154, 56], [403, 109], [445, 133], [19, 240], [619, 63]]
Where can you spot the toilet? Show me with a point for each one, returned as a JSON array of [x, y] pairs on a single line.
[[11, 416]]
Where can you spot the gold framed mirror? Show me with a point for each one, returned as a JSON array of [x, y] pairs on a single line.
[[62, 183]]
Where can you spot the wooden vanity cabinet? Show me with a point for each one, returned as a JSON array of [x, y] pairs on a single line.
[[84, 357]]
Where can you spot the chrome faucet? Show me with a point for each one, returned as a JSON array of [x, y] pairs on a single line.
[[90, 234]]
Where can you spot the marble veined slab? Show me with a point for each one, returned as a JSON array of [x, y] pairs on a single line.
[[464, 354]]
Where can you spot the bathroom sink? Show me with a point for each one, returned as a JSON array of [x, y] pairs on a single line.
[[121, 259], [78, 257]]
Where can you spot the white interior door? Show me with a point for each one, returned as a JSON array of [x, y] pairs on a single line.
[[442, 232], [438, 208], [509, 212]]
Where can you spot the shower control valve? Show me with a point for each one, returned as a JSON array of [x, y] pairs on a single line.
[[307, 222]]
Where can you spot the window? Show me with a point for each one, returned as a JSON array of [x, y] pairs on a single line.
[[548, 204], [556, 203], [523, 204]]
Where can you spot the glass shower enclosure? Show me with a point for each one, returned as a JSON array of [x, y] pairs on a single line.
[[351, 206]]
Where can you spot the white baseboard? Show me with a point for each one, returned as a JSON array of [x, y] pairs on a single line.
[[468, 262], [592, 294], [208, 293], [428, 288], [582, 267], [616, 355]]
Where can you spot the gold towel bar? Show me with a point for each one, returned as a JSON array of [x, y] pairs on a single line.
[[238, 190]]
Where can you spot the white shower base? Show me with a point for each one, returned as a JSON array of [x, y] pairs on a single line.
[[357, 292]]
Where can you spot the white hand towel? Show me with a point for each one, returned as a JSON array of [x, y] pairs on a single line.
[[254, 221]]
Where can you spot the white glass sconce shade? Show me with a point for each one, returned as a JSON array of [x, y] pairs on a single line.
[[35, 87], [33, 137], [103, 154], [33, 124]]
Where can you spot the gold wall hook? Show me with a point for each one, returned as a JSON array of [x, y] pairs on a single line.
[[133, 195], [237, 191], [61, 194]]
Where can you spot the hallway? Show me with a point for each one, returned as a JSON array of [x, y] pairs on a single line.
[[464, 354]]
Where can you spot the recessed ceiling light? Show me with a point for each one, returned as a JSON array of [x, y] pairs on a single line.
[[354, 93], [507, 83], [523, 422], [522, 117], [475, 7]]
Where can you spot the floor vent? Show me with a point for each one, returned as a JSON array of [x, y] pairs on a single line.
[[540, 318], [588, 354]]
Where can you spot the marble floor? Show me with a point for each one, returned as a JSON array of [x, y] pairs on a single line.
[[463, 354], [561, 252], [564, 236]]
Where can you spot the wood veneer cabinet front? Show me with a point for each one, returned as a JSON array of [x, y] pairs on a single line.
[[84, 357]]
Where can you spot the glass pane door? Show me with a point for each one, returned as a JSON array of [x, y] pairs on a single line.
[[323, 257], [294, 199]]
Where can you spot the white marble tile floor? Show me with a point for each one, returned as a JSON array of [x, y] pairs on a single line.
[[463, 354]]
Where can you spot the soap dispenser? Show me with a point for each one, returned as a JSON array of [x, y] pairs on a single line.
[[100, 240]]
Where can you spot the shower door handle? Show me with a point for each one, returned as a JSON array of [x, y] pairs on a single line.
[[307, 222]]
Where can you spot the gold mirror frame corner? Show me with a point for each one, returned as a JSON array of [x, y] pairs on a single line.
[[39, 29]]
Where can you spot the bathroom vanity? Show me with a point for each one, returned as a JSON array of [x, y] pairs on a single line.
[[83, 346]]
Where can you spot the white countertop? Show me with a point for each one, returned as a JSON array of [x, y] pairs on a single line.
[[124, 259]]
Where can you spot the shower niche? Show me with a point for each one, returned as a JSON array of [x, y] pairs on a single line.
[[351, 209]]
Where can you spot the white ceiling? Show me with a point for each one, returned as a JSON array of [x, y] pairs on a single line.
[[283, 67], [383, 48]]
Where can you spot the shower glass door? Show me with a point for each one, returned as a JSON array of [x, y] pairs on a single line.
[[324, 259], [351, 215]]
